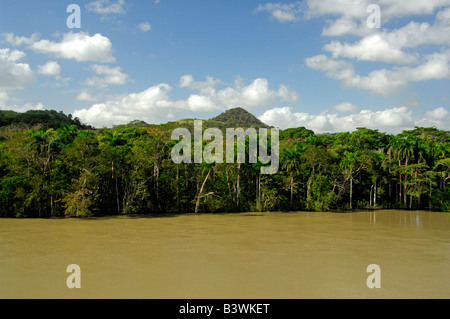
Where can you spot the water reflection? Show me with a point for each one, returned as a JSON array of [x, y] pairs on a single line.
[[415, 218]]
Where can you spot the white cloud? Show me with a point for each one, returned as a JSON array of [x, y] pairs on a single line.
[[4, 96], [282, 12], [188, 81], [439, 118], [104, 7], [437, 114], [78, 46], [343, 26], [387, 46], [152, 105], [345, 107], [357, 9], [145, 27], [13, 74], [401, 8], [51, 68], [21, 108], [85, 95], [255, 94], [392, 121], [111, 76], [411, 44], [416, 34], [384, 82], [17, 41], [371, 48], [155, 105], [287, 95]]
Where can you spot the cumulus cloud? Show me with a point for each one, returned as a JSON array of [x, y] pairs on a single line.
[[51, 68], [399, 8], [145, 27], [392, 121], [5, 106], [383, 82], [357, 9], [111, 76], [18, 41], [4, 96], [254, 94], [152, 105], [85, 95], [105, 7], [155, 104], [78, 46], [208, 86], [14, 74], [342, 26], [371, 48], [411, 44], [345, 107], [439, 117], [388, 46], [282, 12]]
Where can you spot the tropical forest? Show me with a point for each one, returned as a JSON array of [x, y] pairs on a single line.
[[52, 165]]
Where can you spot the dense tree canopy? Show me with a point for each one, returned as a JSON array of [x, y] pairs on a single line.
[[47, 119], [69, 170]]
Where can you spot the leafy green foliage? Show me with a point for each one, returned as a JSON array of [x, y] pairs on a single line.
[[238, 117], [47, 119], [61, 168]]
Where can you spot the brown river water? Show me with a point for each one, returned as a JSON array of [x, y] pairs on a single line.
[[294, 255]]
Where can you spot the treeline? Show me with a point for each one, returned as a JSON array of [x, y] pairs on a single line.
[[46, 118], [69, 171]]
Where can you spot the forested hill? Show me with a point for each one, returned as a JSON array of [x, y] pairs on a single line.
[[232, 118], [48, 119], [239, 116]]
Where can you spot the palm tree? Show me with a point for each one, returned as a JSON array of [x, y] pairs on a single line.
[[67, 133], [406, 149], [291, 163], [257, 168], [348, 163]]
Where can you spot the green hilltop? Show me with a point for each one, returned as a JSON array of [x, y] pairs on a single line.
[[239, 117], [47, 119], [232, 118]]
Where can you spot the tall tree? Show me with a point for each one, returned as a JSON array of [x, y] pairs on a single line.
[[116, 147], [349, 164], [291, 160]]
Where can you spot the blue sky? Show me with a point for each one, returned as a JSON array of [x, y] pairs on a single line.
[[313, 63]]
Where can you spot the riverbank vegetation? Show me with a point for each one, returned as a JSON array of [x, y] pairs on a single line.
[[77, 171]]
